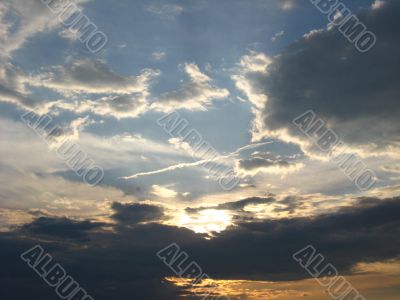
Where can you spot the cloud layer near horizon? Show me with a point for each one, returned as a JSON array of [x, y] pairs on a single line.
[[254, 249]]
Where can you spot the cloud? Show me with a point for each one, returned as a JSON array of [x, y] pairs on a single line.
[[214, 157], [257, 162], [277, 35], [262, 208], [21, 20], [117, 106], [344, 237], [268, 163], [378, 4], [163, 191], [392, 168], [33, 177], [92, 77], [251, 69], [258, 250], [56, 137], [287, 5], [60, 228], [135, 213], [158, 55], [165, 10], [107, 270], [70, 34], [196, 94], [235, 205], [325, 73], [125, 96], [166, 169], [12, 86]]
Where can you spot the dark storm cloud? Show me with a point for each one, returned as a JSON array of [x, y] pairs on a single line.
[[367, 232], [119, 265], [60, 228], [123, 264], [351, 90], [134, 213]]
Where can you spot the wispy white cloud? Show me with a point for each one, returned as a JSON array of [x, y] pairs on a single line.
[[277, 35], [12, 86], [93, 77], [158, 55], [196, 94], [287, 5], [163, 191], [125, 96], [252, 65], [21, 20], [164, 10]]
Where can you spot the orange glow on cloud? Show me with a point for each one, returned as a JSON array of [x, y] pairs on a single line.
[[375, 281]]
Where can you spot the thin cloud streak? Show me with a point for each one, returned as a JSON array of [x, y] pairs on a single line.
[[195, 164]]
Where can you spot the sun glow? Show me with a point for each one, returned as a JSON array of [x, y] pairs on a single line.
[[206, 221]]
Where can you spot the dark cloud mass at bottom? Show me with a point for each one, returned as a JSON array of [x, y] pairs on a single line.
[[123, 264]]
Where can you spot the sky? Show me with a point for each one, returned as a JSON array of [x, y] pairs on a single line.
[[241, 131]]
